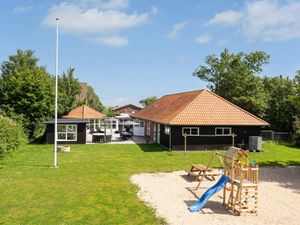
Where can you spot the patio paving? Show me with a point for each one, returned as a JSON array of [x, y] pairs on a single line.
[[116, 139]]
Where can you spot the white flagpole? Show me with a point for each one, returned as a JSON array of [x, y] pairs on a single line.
[[56, 93]]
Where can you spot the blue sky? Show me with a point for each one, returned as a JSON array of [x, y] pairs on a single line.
[[131, 49]]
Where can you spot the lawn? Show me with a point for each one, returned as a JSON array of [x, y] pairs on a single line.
[[92, 184]]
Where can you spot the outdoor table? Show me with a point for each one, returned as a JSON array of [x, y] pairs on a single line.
[[126, 135]]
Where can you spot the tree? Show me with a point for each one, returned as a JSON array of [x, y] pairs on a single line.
[[109, 111], [297, 130], [89, 97], [280, 110], [295, 99], [233, 76], [27, 90], [147, 101], [68, 89], [23, 60]]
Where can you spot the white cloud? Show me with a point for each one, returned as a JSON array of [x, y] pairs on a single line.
[[176, 30], [267, 20], [96, 20], [22, 9], [104, 5], [225, 18], [203, 39], [154, 10], [111, 41]]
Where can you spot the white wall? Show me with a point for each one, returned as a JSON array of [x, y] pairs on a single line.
[[138, 131]]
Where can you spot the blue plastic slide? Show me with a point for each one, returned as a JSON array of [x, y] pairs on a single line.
[[210, 192]]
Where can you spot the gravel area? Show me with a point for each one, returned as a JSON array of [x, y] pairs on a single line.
[[171, 194]]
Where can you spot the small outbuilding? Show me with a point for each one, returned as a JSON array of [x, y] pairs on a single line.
[[75, 127], [69, 131], [199, 120]]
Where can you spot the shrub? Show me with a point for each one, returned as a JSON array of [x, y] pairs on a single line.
[[12, 136], [297, 131]]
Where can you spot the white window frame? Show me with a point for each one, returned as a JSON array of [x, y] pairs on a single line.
[[167, 130], [148, 129], [66, 132], [223, 128], [190, 128]]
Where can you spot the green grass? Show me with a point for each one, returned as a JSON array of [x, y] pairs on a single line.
[[92, 184]]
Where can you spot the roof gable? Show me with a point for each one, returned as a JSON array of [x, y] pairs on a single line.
[[197, 108], [84, 112], [167, 107], [127, 106]]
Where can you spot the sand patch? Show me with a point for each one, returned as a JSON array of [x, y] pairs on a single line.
[[171, 193]]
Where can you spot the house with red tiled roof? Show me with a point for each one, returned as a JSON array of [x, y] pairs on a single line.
[[127, 109], [198, 119]]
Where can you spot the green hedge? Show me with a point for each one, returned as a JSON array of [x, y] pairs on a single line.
[[12, 136]]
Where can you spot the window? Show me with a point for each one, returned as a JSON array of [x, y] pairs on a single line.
[[141, 123], [190, 131], [167, 130], [90, 124], [148, 128], [114, 124], [223, 131], [66, 132]]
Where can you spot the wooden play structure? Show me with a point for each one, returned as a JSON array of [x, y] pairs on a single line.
[[241, 190]]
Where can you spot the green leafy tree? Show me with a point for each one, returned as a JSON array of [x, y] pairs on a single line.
[[147, 101], [280, 110], [27, 90], [68, 89], [234, 77], [296, 127], [109, 111], [89, 98], [295, 99], [22, 60]]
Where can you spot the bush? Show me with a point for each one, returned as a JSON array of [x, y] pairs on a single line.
[[297, 131], [12, 136]]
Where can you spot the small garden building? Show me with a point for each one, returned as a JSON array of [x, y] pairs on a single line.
[[74, 128]]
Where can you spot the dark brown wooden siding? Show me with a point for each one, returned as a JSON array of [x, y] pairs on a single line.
[[81, 135], [164, 138], [207, 142], [149, 138]]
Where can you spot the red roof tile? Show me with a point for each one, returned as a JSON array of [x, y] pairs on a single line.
[[200, 107], [84, 112]]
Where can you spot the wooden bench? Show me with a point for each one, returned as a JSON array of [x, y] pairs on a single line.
[[198, 170]]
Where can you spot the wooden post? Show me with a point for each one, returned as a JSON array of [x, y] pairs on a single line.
[[233, 136], [104, 131], [226, 174], [185, 139], [170, 139]]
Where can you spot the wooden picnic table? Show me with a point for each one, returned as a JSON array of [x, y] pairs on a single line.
[[198, 170]]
